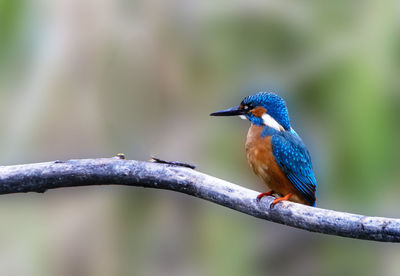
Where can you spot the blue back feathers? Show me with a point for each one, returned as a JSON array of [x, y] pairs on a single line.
[[274, 104], [293, 158]]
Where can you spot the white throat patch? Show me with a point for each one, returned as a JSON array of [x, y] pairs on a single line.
[[269, 121], [242, 117]]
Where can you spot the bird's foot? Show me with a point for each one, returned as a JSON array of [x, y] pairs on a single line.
[[260, 196], [279, 199]]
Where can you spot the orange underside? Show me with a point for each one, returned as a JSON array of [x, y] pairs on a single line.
[[262, 161]]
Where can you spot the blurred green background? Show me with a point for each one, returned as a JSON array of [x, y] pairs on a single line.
[[86, 79]]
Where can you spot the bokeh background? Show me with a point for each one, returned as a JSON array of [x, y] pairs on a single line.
[[86, 79]]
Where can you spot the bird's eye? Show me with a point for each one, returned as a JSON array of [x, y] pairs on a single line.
[[246, 107]]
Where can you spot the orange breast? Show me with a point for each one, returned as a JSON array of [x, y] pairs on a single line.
[[262, 161]]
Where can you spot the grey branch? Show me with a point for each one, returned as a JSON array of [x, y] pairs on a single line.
[[40, 177]]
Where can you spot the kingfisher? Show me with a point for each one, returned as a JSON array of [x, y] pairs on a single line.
[[275, 151]]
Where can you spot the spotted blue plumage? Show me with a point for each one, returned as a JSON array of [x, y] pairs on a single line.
[[293, 158]]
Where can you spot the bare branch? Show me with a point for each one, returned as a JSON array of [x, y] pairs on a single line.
[[43, 176]]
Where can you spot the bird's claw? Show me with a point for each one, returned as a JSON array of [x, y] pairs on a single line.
[[260, 196], [279, 199]]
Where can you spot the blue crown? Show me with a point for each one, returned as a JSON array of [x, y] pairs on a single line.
[[274, 104]]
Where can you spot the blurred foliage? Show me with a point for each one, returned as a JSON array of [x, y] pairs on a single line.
[[10, 14], [94, 78]]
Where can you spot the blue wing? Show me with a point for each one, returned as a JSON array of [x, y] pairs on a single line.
[[293, 158]]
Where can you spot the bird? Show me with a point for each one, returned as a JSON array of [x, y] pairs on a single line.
[[274, 150]]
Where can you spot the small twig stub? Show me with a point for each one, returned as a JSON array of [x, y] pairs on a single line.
[[173, 163]]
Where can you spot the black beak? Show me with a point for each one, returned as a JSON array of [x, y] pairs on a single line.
[[233, 111]]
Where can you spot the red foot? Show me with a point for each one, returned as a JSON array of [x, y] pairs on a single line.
[[279, 199], [270, 193]]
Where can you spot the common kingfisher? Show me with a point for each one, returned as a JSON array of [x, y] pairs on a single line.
[[275, 152]]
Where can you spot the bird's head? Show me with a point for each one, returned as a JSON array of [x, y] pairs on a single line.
[[263, 109]]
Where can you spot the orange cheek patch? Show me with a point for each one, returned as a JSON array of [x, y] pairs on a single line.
[[258, 111]]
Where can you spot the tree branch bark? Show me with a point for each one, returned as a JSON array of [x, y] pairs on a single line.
[[40, 177]]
